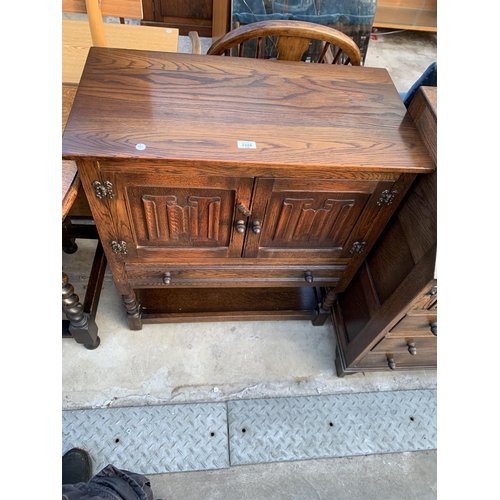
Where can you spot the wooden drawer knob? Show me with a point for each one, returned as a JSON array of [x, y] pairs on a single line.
[[166, 278], [240, 226], [434, 328], [308, 276], [412, 348], [256, 226]]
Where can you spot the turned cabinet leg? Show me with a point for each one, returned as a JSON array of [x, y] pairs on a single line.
[[325, 307], [82, 326], [133, 307]]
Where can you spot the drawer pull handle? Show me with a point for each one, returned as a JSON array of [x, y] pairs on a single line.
[[434, 328], [391, 363], [308, 276], [167, 279], [243, 210], [256, 226], [412, 348], [240, 226]]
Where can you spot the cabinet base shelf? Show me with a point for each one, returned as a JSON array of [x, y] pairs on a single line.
[[228, 304]]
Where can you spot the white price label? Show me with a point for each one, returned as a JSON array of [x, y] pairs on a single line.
[[247, 145]]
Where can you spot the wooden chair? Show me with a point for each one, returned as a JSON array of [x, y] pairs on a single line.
[[289, 41]]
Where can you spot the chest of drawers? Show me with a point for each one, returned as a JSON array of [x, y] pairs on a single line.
[[386, 318]]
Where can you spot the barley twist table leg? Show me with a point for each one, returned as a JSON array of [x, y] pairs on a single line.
[[81, 326]]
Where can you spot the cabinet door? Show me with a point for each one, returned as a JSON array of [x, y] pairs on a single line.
[[167, 216], [312, 218]]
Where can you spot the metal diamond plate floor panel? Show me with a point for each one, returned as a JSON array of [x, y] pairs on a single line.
[[188, 437], [299, 428], [151, 439]]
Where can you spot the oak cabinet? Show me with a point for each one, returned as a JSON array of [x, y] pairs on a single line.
[[237, 189], [171, 231]]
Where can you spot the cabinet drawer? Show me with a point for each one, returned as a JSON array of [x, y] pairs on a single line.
[[378, 360], [415, 324], [398, 350], [237, 275], [401, 344]]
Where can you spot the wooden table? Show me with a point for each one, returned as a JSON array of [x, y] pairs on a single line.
[[76, 42], [230, 188]]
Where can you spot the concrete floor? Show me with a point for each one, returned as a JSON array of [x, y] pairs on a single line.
[[220, 361]]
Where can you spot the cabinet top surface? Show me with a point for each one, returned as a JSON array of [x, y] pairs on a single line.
[[186, 108]]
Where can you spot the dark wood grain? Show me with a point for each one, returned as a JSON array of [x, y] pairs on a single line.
[[196, 108], [210, 18], [228, 304], [415, 324], [224, 275], [392, 252], [193, 15], [332, 144], [355, 310], [400, 344], [401, 267], [425, 359]]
